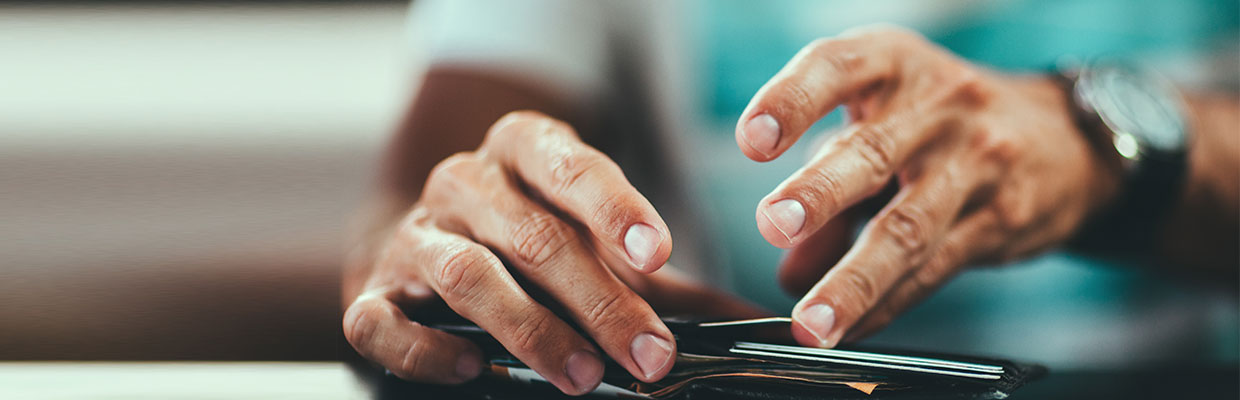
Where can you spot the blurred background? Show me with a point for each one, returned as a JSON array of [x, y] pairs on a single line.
[[176, 177]]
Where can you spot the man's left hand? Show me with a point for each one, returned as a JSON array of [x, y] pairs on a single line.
[[989, 168]]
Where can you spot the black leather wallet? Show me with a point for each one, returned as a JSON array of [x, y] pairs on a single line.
[[733, 360]]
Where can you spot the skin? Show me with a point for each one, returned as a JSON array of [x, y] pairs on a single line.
[[511, 220], [527, 191], [989, 168]]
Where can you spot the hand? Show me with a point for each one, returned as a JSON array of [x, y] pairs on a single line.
[[558, 211], [989, 168]]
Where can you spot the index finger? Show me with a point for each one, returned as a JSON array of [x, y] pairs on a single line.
[[823, 75], [476, 285], [584, 183]]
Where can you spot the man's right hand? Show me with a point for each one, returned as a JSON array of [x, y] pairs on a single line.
[[559, 212]]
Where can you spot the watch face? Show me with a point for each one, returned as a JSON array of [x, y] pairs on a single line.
[[1142, 110]]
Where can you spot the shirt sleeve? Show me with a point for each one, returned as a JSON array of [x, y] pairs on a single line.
[[557, 44]]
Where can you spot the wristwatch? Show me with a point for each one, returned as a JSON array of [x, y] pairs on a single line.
[[1135, 114]]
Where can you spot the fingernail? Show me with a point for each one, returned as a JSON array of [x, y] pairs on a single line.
[[585, 370], [468, 366], [651, 353], [762, 133], [787, 215], [818, 320], [640, 242]]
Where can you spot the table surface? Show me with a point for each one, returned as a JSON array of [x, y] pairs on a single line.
[[330, 380]]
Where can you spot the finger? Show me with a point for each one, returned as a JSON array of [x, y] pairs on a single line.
[[550, 254], [584, 183], [967, 239], [895, 242], [380, 332], [475, 284], [819, 78], [809, 261], [853, 166]]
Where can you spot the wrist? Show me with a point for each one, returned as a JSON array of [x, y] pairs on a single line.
[[1102, 170], [1135, 122]]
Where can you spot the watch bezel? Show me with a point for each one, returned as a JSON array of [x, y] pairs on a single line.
[[1132, 146]]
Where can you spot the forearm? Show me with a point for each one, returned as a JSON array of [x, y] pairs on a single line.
[[1204, 228], [450, 113]]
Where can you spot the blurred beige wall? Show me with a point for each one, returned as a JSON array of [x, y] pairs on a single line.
[[175, 180]]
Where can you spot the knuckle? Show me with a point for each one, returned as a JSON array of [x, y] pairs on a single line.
[[875, 143], [521, 115], [968, 87], [1014, 212], [822, 48], [837, 57], [527, 335], [945, 263], [523, 125], [461, 161], [908, 227], [614, 214], [568, 168], [413, 363], [449, 173], [949, 256], [927, 278], [839, 61], [861, 287], [538, 238], [957, 85], [994, 147], [514, 118], [793, 100], [558, 126], [398, 249], [821, 188], [360, 324], [604, 312], [460, 273], [821, 44]]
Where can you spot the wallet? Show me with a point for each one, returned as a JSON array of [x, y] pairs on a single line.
[[734, 360]]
